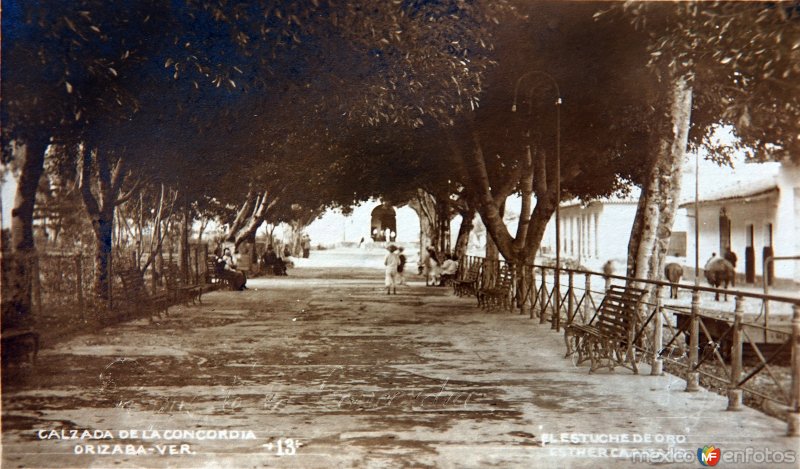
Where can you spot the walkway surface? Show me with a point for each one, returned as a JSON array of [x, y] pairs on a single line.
[[323, 369]]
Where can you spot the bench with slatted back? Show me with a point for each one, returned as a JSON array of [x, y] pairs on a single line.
[[607, 340], [468, 284], [19, 344], [179, 291], [136, 295], [500, 293]]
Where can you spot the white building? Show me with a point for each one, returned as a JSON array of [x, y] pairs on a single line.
[[593, 232], [754, 211], [335, 228]]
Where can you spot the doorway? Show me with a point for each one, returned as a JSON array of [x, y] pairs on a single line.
[[750, 255]]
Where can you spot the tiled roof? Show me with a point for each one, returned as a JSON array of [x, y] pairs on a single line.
[[746, 181]]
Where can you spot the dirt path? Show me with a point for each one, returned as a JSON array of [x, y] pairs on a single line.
[[325, 360]]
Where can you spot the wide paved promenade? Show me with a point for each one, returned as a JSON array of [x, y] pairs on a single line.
[[324, 365]]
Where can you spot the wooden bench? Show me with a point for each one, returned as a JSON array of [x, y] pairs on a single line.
[[609, 335], [137, 297], [177, 290], [469, 283], [19, 344], [500, 293]]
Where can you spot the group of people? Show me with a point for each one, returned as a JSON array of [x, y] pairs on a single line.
[[395, 263], [272, 263], [226, 269], [435, 274]]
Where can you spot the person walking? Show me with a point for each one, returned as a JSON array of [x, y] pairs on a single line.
[[392, 262], [401, 277]]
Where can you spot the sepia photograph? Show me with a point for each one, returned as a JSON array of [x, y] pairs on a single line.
[[400, 234]]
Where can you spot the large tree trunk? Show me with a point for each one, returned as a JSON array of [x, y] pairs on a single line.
[[186, 226], [464, 230], [670, 176], [18, 310], [541, 216], [102, 227], [530, 177], [100, 208], [259, 216], [655, 213], [430, 227], [490, 269]]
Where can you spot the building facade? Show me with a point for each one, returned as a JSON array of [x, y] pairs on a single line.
[[755, 213]]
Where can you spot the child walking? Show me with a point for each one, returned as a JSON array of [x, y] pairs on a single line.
[[401, 277]]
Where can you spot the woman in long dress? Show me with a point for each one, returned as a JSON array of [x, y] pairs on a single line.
[[392, 261]]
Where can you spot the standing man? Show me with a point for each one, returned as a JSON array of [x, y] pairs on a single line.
[[306, 246], [392, 262]]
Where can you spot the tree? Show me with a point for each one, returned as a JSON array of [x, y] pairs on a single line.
[[502, 152], [713, 78]]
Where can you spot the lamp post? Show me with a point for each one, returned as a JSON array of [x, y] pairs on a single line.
[[557, 283], [696, 219]]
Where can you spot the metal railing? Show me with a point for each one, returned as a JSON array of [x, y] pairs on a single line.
[[61, 283], [731, 347]]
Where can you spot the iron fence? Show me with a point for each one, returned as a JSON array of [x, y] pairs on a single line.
[[748, 348]]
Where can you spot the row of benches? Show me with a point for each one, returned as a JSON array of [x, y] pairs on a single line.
[[139, 301], [21, 344], [607, 340]]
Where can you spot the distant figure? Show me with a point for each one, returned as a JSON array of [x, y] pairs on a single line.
[[273, 263], [392, 262], [673, 272], [401, 277], [430, 267], [608, 270], [286, 251], [361, 243], [306, 243], [730, 256], [718, 272]]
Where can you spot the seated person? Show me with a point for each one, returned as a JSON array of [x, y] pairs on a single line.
[[449, 269], [273, 263], [236, 278]]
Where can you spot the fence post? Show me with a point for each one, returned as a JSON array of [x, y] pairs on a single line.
[[794, 408], [693, 377], [734, 393], [514, 286], [587, 311], [556, 299], [79, 279], [570, 302], [542, 312], [657, 365], [36, 283], [532, 290], [522, 297]]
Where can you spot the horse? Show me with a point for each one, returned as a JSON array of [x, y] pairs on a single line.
[[730, 256], [673, 272], [720, 271]]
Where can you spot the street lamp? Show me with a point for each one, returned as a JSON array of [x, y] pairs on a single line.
[[557, 286]]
